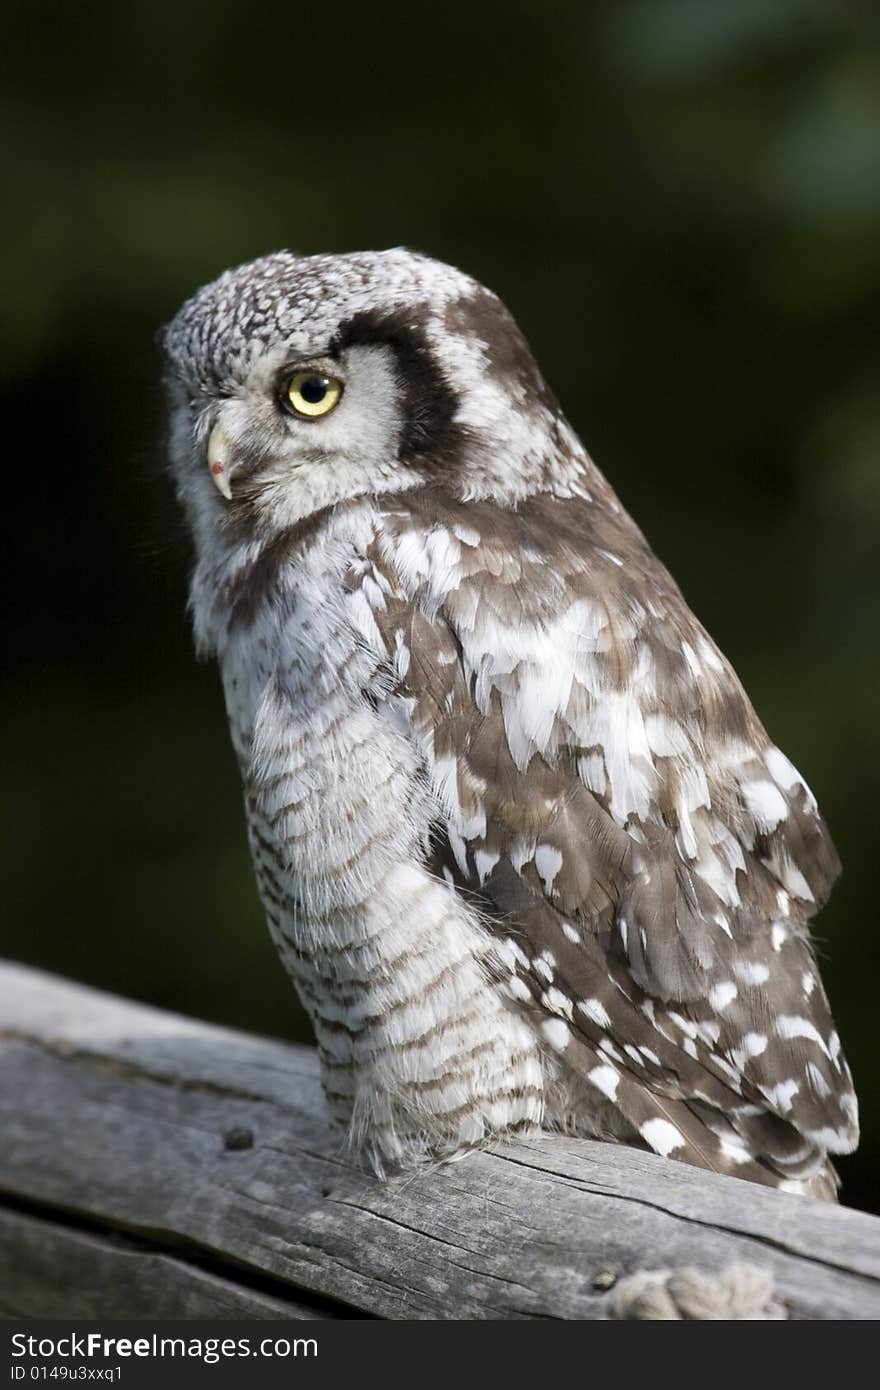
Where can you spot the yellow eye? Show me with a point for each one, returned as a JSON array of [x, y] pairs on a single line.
[[312, 394]]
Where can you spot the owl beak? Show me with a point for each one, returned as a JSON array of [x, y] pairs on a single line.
[[218, 460]]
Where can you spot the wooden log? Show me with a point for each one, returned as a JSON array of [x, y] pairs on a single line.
[[50, 1269], [152, 1165]]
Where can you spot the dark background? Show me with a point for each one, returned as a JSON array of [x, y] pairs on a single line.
[[680, 201]]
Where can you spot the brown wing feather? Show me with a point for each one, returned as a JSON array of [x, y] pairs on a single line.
[[674, 863]]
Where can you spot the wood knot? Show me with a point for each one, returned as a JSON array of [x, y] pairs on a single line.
[[238, 1138]]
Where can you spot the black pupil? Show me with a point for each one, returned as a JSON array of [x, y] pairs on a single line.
[[314, 389]]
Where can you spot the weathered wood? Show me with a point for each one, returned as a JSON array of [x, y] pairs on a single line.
[[153, 1163], [48, 1270]]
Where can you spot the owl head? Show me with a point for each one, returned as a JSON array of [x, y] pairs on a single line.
[[300, 382]]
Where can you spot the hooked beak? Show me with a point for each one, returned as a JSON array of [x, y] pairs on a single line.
[[218, 460]]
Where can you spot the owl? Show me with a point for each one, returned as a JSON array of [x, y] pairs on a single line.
[[523, 845]]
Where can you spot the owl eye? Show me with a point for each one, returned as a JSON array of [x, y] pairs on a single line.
[[311, 394]]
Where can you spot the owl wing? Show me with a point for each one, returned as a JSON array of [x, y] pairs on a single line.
[[609, 799]]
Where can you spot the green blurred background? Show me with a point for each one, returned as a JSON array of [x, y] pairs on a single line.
[[680, 201]]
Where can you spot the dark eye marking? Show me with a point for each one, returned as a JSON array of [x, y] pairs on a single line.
[[431, 438]]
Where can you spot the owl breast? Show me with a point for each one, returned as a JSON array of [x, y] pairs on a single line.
[[420, 1053]]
